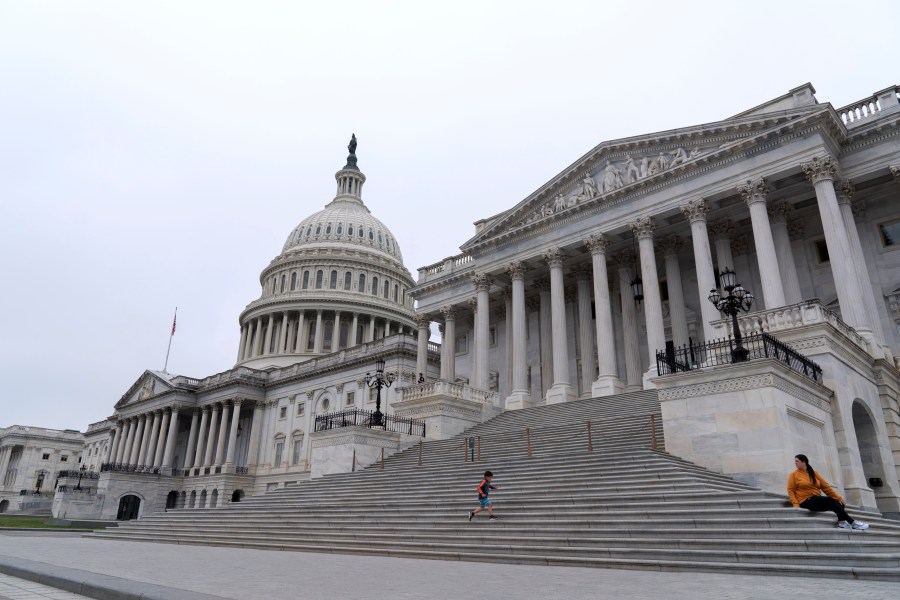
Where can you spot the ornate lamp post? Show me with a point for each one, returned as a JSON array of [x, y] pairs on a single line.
[[378, 381], [737, 300], [80, 475], [40, 482]]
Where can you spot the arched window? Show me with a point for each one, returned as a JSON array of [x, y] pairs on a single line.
[[293, 281], [360, 231], [318, 229], [380, 239], [387, 288], [396, 292], [319, 276], [362, 283], [328, 229], [329, 335], [350, 230], [371, 236], [333, 281], [283, 280], [340, 228], [309, 231], [305, 280], [348, 278], [344, 335], [374, 286], [311, 337]]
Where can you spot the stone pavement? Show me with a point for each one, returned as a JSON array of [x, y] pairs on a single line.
[[13, 588], [252, 574]]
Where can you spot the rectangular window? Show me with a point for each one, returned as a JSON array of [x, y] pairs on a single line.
[[351, 398], [492, 336], [279, 449], [295, 457], [300, 406], [45, 456], [63, 458], [282, 412], [821, 251], [890, 233], [372, 394], [462, 344]]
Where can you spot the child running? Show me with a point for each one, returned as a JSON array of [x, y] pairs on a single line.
[[484, 489]]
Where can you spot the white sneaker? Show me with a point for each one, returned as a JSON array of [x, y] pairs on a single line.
[[843, 525], [859, 525]]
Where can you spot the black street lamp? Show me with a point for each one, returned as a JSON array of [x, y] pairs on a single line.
[[80, 475], [40, 482], [737, 300], [378, 381]]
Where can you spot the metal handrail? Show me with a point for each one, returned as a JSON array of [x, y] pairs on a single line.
[[721, 352], [357, 417]]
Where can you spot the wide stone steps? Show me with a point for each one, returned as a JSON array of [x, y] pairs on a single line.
[[622, 505]]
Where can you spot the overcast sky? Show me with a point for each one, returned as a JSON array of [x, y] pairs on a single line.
[[158, 154]]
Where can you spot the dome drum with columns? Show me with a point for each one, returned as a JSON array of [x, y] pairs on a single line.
[[338, 282]]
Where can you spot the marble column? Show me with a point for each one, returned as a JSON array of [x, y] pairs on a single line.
[[448, 365], [192, 440], [161, 441], [656, 334], [822, 172], [562, 390], [677, 311], [778, 215], [282, 333], [608, 382], [232, 434], [546, 333], [171, 435], [319, 340], [201, 436], [845, 199], [336, 332], [219, 457], [147, 459], [695, 211], [5, 454], [122, 452], [482, 283], [423, 326], [520, 396], [267, 344], [257, 337], [755, 194], [585, 336], [139, 447], [507, 338], [623, 261], [353, 341], [371, 336], [241, 344], [255, 427], [113, 449], [723, 231], [300, 341]]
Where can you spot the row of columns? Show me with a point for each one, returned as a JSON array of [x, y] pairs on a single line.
[[209, 431], [145, 440], [6, 453], [289, 333], [771, 239]]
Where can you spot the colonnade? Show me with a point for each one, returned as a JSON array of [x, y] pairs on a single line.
[[776, 268], [145, 440], [304, 331], [6, 453]]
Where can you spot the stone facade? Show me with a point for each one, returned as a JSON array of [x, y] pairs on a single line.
[[30, 458]]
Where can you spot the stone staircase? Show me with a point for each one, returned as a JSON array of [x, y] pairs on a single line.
[[621, 505]]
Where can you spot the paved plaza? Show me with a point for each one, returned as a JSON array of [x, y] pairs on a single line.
[[251, 574]]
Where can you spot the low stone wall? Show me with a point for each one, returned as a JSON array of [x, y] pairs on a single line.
[[338, 450]]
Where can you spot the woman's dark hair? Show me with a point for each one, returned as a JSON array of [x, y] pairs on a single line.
[[809, 470]]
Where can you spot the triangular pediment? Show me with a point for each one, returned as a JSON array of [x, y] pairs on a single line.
[[620, 167], [150, 384]]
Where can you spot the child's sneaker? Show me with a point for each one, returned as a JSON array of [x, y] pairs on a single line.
[[495, 518], [471, 514], [843, 525], [859, 525]]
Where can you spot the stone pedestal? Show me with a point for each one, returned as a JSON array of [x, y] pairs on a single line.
[[608, 385], [447, 408], [519, 400], [333, 451], [561, 392], [748, 420]]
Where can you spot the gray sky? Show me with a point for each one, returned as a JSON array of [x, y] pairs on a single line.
[[158, 154]]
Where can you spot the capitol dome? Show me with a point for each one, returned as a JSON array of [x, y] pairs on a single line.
[[338, 282]]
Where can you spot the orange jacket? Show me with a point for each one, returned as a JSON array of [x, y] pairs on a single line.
[[800, 487]]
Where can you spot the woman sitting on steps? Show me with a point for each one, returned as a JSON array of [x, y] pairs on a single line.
[[803, 487]]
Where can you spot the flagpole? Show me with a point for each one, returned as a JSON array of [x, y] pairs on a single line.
[[171, 335]]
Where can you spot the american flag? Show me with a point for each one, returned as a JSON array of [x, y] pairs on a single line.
[[174, 320]]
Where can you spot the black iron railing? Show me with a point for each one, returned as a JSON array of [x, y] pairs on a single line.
[[721, 352], [126, 468], [356, 417], [83, 475]]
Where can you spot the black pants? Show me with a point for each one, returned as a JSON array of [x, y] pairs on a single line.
[[823, 504]]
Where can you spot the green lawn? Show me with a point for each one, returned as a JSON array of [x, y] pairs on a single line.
[[29, 522]]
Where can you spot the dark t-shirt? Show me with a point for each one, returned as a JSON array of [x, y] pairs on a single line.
[[484, 489]]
